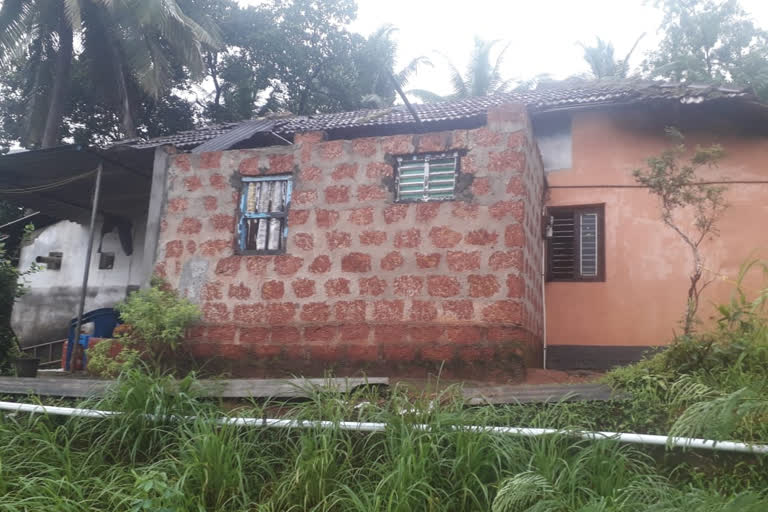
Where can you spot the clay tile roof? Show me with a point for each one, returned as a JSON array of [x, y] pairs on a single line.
[[563, 95]]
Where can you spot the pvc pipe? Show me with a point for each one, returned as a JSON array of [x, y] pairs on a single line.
[[544, 301], [682, 442]]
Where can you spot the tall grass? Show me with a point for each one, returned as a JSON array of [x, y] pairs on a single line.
[[133, 463]]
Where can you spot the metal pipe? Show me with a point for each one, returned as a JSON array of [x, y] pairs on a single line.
[[19, 220], [698, 183], [681, 442], [86, 270], [544, 302]]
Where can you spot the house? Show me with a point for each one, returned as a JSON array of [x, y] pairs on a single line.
[[397, 243]]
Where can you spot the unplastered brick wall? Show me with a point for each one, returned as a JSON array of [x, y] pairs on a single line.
[[366, 283]]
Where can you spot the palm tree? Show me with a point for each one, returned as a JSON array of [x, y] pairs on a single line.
[[482, 77], [602, 62], [128, 43], [378, 56]]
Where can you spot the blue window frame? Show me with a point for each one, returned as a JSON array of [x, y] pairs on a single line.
[[264, 203]]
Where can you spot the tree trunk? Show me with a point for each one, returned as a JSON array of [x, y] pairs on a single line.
[[61, 78], [129, 125]]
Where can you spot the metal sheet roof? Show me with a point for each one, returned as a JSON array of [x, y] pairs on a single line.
[[241, 132], [59, 181]]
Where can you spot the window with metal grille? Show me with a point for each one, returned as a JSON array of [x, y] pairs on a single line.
[[576, 243], [426, 177], [264, 203]]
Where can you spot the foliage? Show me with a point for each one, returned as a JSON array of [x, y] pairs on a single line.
[[602, 62], [168, 450], [710, 41], [376, 63], [297, 56], [712, 384], [109, 358], [11, 288], [130, 48], [155, 319], [268, 58], [482, 77], [672, 178]]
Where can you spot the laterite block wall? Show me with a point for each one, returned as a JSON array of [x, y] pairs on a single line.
[[366, 283]]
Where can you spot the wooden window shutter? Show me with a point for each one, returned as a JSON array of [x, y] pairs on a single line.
[[264, 203], [575, 248]]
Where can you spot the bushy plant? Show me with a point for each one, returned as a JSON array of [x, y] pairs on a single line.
[[712, 383], [109, 358], [11, 288], [155, 319]]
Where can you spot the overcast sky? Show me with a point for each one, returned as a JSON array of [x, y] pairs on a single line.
[[543, 33]]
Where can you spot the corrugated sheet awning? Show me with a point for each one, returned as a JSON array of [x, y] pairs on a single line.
[[59, 181]]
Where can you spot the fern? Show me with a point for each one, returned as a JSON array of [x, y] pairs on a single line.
[[721, 416], [520, 492], [686, 389]]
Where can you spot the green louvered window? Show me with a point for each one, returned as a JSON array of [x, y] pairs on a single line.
[[427, 177]]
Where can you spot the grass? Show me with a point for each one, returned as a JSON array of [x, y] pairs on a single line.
[[714, 384], [132, 463]]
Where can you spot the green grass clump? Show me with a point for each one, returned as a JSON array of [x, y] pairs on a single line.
[[184, 460], [713, 384]]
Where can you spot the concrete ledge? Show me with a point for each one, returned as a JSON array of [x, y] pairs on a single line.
[[226, 388]]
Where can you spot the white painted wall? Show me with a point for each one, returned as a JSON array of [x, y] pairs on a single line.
[[52, 296]]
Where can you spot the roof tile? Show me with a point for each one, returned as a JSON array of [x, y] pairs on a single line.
[[563, 95]]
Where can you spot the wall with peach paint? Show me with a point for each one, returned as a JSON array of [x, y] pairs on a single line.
[[643, 297]]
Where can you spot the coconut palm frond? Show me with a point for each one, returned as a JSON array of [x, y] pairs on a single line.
[[73, 14], [412, 68], [189, 25], [13, 13], [425, 95], [461, 89], [634, 47], [497, 83], [600, 58]]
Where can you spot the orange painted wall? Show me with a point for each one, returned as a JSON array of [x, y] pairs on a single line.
[[643, 297]]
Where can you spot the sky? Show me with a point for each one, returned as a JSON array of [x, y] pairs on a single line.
[[543, 33]]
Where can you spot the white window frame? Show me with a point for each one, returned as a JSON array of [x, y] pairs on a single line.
[[426, 158]]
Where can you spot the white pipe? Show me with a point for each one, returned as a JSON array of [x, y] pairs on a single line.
[[683, 442], [544, 302]]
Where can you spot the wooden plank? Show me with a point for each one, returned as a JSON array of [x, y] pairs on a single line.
[[53, 386], [298, 388], [224, 388], [283, 388], [486, 395]]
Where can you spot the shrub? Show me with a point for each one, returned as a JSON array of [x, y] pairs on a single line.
[[155, 321], [712, 384], [11, 288], [109, 358]]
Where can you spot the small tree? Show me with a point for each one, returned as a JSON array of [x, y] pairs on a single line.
[[672, 177]]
